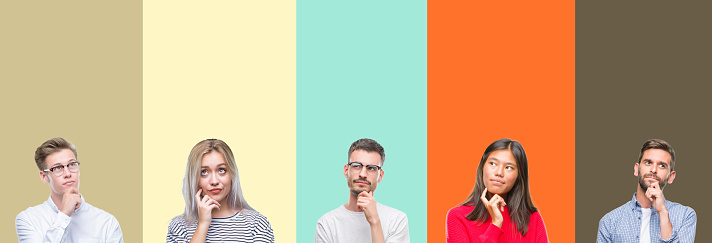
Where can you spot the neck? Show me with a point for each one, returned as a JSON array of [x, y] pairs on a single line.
[[503, 195], [57, 199], [225, 211], [351, 204], [640, 197]]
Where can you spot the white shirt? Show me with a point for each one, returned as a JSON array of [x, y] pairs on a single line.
[[341, 225], [645, 225], [45, 223]]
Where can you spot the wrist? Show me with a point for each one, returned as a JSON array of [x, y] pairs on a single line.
[[375, 223], [497, 223], [204, 221]]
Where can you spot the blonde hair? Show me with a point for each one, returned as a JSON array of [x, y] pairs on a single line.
[[192, 174]]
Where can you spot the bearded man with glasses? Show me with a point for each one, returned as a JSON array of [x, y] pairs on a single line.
[[362, 219], [65, 216]]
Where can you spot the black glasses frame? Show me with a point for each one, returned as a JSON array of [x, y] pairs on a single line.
[[61, 168], [369, 167]]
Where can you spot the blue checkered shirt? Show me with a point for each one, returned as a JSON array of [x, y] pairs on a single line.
[[623, 223]]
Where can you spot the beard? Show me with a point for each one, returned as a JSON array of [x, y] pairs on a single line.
[[356, 189], [644, 185]]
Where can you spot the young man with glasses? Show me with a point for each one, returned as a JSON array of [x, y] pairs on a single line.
[[362, 219], [65, 216]]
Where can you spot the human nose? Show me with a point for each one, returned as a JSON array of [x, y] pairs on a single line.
[[363, 172], [213, 179], [499, 171], [654, 169], [65, 172]]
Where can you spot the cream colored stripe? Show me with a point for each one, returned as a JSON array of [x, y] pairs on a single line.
[[227, 70]]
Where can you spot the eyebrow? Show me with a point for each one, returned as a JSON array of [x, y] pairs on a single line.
[[223, 164], [60, 163]]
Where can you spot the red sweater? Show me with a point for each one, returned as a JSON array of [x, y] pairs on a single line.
[[459, 229]]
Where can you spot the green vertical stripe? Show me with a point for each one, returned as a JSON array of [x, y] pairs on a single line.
[[361, 72]]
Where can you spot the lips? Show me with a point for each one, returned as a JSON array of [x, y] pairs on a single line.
[[362, 182], [497, 182], [68, 183], [215, 191], [651, 176]]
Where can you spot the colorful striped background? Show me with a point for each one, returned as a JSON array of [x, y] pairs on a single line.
[[290, 84]]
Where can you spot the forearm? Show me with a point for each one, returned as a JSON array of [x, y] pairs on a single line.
[[201, 233], [665, 225], [377, 233]]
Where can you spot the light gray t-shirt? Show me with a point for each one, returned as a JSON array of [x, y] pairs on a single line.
[[341, 225]]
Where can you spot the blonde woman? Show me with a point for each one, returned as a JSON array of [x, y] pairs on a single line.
[[215, 210]]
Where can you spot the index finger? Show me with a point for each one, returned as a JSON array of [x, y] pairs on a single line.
[[364, 194], [484, 196], [197, 195], [654, 185]]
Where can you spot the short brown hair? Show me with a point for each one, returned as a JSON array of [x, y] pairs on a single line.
[[654, 143], [49, 147], [368, 145]]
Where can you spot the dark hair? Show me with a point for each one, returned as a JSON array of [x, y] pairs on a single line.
[[519, 200], [49, 147], [369, 145], [654, 143]]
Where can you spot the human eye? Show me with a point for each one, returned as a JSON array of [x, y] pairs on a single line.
[[663, 166], [491, 163], [647, 162], [222, 171], [204, 172], [372, 168], [59, 167], [356, 165], [509, 167], [72, 165]]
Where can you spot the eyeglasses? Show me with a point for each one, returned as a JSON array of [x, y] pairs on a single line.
[[356, 167], [59, 170]]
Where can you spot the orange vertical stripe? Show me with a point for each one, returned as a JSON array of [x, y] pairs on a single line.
[[502, 69]]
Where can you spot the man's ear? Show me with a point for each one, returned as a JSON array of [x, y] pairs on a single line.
[[44, 177], [635, 169], [380, 176], [346, 171], [671, 177]]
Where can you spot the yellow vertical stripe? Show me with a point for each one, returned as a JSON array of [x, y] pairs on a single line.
[[227, 70]]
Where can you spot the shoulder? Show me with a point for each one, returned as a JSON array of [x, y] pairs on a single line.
[[34, 210], [536, 215], [459, 212], [389, 210], [98, 213], [177, 224], [536, 218], [679, 210], [615, 214], [678, 207], [333, 214], [254, 216]]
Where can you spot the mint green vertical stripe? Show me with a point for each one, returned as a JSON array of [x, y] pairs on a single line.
[[361, 72]]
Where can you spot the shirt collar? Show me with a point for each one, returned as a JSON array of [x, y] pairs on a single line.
[[54, 208], [633, 204]]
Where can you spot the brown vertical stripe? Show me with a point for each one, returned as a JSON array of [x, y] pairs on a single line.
[[642, 71]]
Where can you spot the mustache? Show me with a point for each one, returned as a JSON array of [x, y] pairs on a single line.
[[652, 176], [364, 180]]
